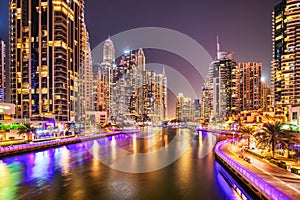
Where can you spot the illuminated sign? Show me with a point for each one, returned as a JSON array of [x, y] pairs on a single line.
[[7, 109]]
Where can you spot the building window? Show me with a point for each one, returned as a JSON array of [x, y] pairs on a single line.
[[294, 117]]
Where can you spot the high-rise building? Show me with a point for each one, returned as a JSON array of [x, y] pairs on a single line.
[[136, 93], [222, 83], [85, 82], [124, 89], [141, 86], [266, 97], [46, 52], [2, 71], [154, 98], [103, 78], [184, 108], [249, 90], [286, 55], [206, 104], [196, 110]]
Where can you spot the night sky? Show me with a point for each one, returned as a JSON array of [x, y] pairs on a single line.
[[244, 27]]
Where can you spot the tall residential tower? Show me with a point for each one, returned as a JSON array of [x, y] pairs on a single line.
[[249, 88], [46, 52], [222, 77], [2, 71], [286, 55]]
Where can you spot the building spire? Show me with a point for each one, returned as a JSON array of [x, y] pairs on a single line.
[[218, 44], [164, 71]]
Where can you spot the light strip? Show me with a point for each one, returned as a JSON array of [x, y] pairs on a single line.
[[262, 185]]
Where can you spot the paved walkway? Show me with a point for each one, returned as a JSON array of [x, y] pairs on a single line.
[[20, 148], [289, 162], [281, 179]]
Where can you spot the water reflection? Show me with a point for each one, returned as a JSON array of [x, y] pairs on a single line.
[[9, 175], [75, 171], [64, 161], [41, 167]]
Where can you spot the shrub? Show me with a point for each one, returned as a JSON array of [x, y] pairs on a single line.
[[294, 170], [255, 154]]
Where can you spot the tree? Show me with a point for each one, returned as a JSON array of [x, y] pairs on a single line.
[[246, 132], [25, 128], [272, 134]]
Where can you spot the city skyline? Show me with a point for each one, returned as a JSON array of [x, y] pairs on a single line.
[[150, 100], [204, 33], [252, 32]]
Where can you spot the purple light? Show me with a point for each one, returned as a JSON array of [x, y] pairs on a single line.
[[262, 185]]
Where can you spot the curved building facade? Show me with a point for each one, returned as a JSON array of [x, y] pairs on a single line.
[[46, 51], [286, 55]]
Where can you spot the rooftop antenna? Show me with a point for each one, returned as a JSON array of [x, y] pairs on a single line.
[[218, 44]]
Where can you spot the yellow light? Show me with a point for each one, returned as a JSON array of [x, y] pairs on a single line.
[[279, 37]]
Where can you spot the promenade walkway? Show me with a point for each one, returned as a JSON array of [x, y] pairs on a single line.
[[278, 178], [21, 148]]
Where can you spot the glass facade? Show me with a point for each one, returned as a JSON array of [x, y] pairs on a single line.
[[46, 51]]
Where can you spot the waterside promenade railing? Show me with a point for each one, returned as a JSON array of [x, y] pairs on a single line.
[[262, 186], [16, 149]]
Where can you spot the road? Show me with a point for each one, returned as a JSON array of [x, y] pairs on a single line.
[[281, 179]]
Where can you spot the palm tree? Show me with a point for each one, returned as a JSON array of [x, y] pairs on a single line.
[[246, 132], [272, 134], [25, 128]]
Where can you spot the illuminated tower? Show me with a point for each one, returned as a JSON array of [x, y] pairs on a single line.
[[222, 84], [266, 97], [104, 77], [85, 82], [141, 76], [2, 71], [46, 51], [249, 88], [206, 104], [286, 55], [108, 51], [123, 88], [164, 94], [184, 108]]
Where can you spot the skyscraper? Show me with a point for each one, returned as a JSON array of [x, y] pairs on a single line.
[[141, 85], [196, 110], [249, 89], [2, 70], [222, 77], [206, 104], [286, 59], [266, 97], [137, 94], [46, 52], [124, 88], [85, 82], [184, 108], [103, 78]]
